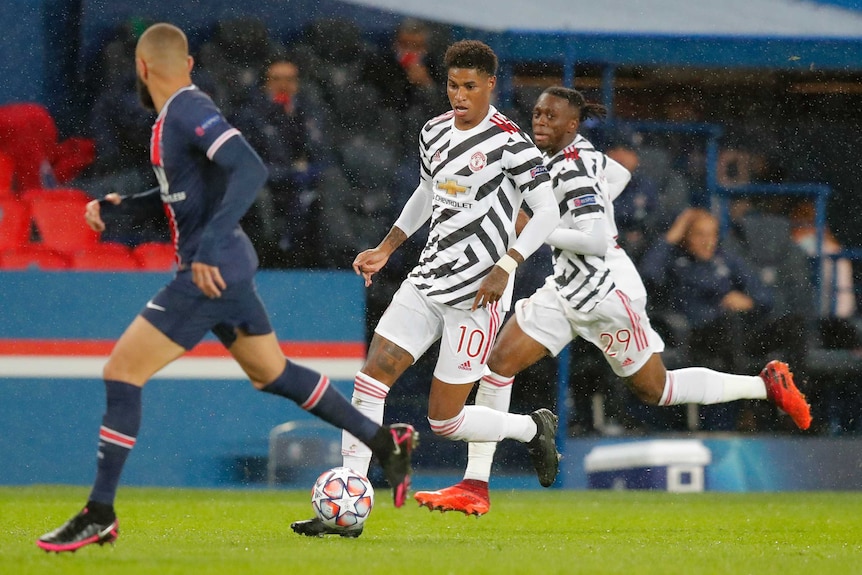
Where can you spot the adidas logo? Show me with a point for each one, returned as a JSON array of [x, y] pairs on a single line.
[[628, 361], [436, 157], [465, 366]]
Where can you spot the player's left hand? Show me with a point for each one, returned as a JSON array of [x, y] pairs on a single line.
[[208, 279], [491, 288], [93, 211]]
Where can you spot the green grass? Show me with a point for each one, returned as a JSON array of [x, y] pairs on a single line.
[[173, 531]]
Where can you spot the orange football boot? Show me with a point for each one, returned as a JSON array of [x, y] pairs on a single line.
[[781, 391], [470, 497]]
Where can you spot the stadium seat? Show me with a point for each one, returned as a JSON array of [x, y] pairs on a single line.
[[59, 218], [105, 257], [156, 256], [33, 256], [7, 173], [14, 223]]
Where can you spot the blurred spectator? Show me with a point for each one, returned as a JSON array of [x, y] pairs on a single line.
[[636, 209], [838, 295], [121, 129], [762, 237], [739, 167], [284, 124], [717, 292], [356, 190], [231, 62], [332, 55], [687, 148], [408, 82]]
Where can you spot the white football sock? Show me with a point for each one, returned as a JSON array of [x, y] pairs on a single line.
[[495, 391], [477, 423], [706, 386], [369, 397]]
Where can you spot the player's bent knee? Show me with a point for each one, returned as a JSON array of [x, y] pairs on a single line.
[[119, 371], [498, 364]]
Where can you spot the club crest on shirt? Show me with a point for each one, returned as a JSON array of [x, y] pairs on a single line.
[[478, 161]]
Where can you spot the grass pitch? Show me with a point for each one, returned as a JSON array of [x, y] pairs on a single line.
[[178, 531]]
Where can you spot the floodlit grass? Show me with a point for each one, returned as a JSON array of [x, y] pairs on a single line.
[[174, 531]]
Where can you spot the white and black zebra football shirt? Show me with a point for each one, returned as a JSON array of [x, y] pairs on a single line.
[[477, 180], [577, 174]]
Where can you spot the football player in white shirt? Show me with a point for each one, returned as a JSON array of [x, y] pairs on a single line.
[[477, 168], [596, 293]]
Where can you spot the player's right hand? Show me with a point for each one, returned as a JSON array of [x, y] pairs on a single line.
[[369, 263]]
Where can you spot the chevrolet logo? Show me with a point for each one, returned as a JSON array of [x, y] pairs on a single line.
[[451, 187]]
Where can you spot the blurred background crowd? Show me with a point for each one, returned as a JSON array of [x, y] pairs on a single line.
[[335, 113]]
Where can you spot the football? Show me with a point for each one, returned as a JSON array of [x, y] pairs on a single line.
[[342, 497]]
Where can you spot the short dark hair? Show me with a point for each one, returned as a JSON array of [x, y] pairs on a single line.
[[471, 54], [577, 101]]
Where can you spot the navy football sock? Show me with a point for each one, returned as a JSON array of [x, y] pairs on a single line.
[[117, 436], [313, 392]]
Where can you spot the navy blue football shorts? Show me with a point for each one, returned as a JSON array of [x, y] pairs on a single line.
[[183, 313]]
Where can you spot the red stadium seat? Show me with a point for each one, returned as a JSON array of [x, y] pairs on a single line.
[[7, 173], [105, 257], [14, 223], [65, 194], [59, 218], [156, 256], [33, 256]]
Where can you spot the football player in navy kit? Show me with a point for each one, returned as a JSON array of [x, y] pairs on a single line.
[[208, 176]]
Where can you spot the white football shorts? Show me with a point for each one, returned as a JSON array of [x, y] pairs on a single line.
[[414, 322], [617, 325]]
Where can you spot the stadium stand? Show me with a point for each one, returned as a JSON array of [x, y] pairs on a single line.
[[58, 216], [14, 223], [33, 256], [575, 57], [7, 172], [155, 256], [105, 256]]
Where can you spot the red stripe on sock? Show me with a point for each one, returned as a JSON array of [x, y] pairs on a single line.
[[449, 427], [498, 382], [116, 438], [316, 394], [669, 400], [372, 388]]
